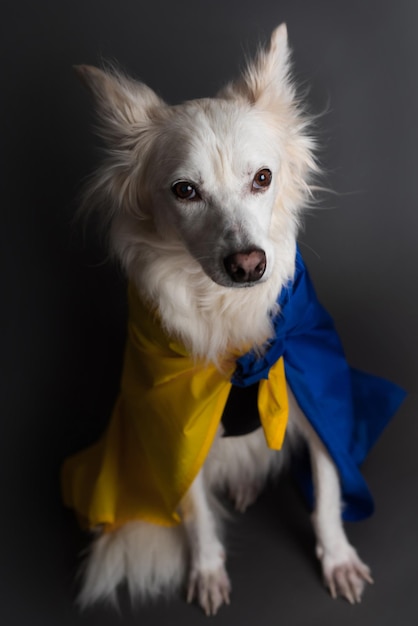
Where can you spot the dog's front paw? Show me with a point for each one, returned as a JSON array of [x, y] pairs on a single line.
[[211, 588], [345, 574]]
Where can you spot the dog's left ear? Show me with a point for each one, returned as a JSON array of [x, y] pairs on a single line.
[[266, 79]]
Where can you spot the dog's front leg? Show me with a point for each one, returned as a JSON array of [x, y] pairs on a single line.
[[344, 572], [208, 580]]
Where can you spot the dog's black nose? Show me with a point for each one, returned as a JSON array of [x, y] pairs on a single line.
[[247, 266]]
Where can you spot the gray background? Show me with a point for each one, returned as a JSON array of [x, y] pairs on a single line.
[[62, 306]]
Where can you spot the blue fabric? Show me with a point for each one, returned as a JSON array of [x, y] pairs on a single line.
[[347, 408]]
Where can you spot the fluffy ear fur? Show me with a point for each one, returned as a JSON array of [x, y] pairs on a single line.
[[266, 79], [123, 105], [129, 116]]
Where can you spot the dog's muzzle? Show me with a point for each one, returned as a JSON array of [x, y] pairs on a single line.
[[246, 266]]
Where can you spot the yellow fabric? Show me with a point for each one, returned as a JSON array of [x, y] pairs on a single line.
[[161, 429]]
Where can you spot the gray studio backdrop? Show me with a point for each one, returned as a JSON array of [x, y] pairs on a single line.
[[63, 305]]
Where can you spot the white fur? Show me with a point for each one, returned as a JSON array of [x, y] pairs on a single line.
[[173, 250], [151, 559]]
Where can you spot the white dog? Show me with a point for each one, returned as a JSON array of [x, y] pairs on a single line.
[[203, 202]]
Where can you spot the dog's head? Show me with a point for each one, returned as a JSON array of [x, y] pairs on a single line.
[[226, 176]]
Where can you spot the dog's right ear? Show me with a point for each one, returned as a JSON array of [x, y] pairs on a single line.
[[128, 116], [123, 105]]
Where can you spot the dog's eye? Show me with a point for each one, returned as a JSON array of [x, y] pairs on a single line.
[[262, 180], [185, 190]]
